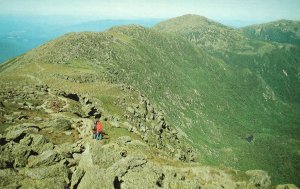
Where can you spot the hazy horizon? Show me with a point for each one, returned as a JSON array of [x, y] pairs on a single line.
[[220, 10], [27, 24]]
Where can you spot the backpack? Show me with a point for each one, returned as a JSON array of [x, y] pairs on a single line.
[[99, 127]]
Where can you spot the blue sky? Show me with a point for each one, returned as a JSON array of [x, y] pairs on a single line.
[[264, 10]]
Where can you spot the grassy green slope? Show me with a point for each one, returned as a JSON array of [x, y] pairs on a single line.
[[277, 64], [277, 67], [217, 105], [282, 31]]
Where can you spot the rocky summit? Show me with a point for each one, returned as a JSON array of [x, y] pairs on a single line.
[[176, 112]]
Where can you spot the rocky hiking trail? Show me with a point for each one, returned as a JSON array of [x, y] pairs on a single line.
[[46, 143]]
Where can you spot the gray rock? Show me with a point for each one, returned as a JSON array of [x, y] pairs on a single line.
[[47, 172], [76, 178], [9, 178], [46, 158], [6, 158], [106, 155], [57, 182], [103, 180], [14, 155], [38, 119], [20, 153], [113, 175], [68, 133], [67, 149], [60, 124], [121, 167], [40, 143], [15, 134], [77, 156]]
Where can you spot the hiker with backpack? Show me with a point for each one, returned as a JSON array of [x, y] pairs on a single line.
[[97, 130]]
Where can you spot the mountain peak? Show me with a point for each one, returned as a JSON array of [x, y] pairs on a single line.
[[127, 27], [201, 31], [191, 16], [188, 21]]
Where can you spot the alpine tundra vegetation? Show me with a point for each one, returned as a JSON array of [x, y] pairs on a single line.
[[187, 103]]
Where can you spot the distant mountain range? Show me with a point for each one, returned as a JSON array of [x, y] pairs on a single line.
[[232, 94], [21, 34]]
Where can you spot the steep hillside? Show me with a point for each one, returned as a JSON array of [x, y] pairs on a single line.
[[46, 113], [282, 31], [277, 64], [229, 114]]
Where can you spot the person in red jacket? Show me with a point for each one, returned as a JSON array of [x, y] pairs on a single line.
[[98, 130]]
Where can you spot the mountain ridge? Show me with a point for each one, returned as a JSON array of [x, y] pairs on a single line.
[[215, 104], [239, 50], [281, 31]]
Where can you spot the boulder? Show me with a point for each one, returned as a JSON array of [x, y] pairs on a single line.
[[106, 155], [38, 119], [95, 155], [20, 153], [57, 182], [16, 154], [56, 170], [15, 134], [121, 167], [6, 157], [112, 176], [18, 132], [88, 181], [39, 143], [9, 178], [68, 133], [59, 124], [66, 150], [46, 158], [76, 178]]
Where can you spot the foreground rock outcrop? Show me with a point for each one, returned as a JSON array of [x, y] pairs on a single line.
[[51, 146]]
